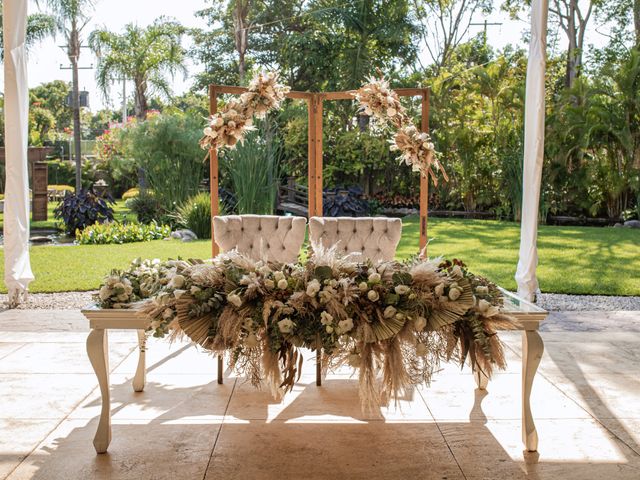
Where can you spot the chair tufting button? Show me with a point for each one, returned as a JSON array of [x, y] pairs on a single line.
[[354, 230], [362, 249], [283, 248]]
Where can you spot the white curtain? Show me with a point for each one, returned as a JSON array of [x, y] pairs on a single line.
[[533, 151], [17, 268]]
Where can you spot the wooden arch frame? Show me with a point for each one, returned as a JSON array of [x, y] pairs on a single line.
[[315, 101]]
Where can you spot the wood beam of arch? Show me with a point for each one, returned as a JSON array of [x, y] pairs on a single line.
[[315, 101]]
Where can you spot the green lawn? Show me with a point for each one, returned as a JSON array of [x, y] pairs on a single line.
[[583, 260]]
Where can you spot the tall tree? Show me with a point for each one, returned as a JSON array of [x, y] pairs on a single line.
[[444, 24], [71, 17], [39, 27], [573, 18], [146, 56]]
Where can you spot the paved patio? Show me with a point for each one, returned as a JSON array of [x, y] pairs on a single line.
[[586, 401]]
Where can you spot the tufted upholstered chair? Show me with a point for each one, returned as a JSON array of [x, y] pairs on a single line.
[[370, 238], [262, 237]]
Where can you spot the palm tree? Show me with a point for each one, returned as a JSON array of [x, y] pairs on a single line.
[[71, 17], [144, 55], [39, 27]]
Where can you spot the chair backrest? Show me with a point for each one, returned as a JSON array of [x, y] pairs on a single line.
[[261, 237], [371, 238]]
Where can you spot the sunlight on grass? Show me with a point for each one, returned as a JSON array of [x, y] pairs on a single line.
[[582, 260]]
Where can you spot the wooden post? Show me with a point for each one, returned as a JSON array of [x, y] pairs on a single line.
[[311, 149], [318, 154], [424, 180], [213, 172]]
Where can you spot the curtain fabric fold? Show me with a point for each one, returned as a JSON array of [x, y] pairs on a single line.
[[534, 124], [17, 267]]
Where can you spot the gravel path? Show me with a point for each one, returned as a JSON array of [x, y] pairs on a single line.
[[561, 302], [53, 301], [548, 301]]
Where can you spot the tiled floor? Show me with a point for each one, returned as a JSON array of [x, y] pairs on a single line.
[[586, 401]]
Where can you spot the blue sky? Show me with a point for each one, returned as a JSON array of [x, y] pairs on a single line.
[[45, 59]]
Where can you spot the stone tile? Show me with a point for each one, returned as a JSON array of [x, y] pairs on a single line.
[[590, 357], [43, 321], [374, 450], [19, 438], [164, 357], [6, 348], [568, 449], [455, 397], [336, 400], [155, 450], [602, 395], [115, 336], [166, 397], [58, 358], [42, 396]]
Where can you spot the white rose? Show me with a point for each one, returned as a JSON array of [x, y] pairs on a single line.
[[178, 293], [329, 329], [456, 272], [483, 306], [454, 294], [391, 112], [208, 131], [251, 341], [363, 286], [420, 323], [389, 312], [285, 325], [373, 295], [234, 299], [421, 349], [313, 288], [283, 284], [402, 289], [194, 290], [374, 277], [345, 325], [482, 290], [218, 122], [326, 318], [177, 281], [439, 290], [104, 293], [269, 283], [278, 276]]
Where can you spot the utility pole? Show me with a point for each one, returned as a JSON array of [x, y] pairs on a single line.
[[124, 101], [73, 52], [485, 24]]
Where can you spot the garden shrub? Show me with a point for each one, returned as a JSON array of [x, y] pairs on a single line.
[[166, 148], [79, 210], [195, 214], [252, 171], [115, 232], [146, 207], [131, 193]]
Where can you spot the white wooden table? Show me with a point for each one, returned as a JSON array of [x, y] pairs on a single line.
[[100, 321]]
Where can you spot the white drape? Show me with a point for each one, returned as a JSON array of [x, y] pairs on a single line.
[[533, 151], [17, 268]]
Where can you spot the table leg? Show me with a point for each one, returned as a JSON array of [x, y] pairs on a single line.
[[139, 379], [98, 351], [220, 368], [532, 348], [481, 379]]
